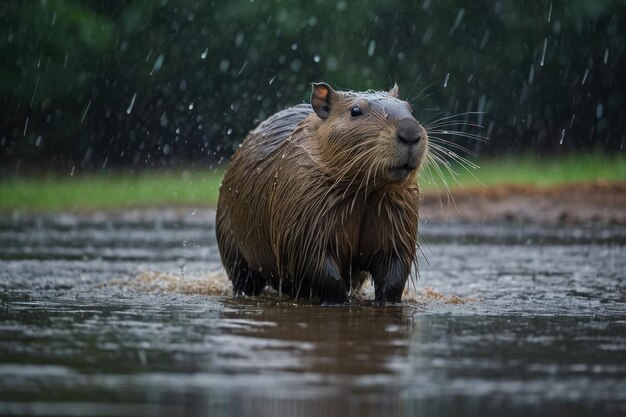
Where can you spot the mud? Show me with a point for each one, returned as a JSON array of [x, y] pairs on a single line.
[[578, 203], [126, 314]]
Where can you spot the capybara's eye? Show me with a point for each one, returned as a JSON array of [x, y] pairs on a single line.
[[356, 111]]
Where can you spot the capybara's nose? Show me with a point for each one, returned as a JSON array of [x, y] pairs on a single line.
[[409, 131]]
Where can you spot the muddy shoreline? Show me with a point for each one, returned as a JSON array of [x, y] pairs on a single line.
[[595, 202]]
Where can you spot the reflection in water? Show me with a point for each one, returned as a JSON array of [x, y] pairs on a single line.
[[547, 338], [334, 361]]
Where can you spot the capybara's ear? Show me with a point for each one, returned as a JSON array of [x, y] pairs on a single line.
[[322, 98], [394, 91]]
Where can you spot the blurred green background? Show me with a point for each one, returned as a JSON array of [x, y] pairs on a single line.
[[102, 84], [94, 93]]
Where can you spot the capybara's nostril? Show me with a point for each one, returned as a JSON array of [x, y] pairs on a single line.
[[409, 131]]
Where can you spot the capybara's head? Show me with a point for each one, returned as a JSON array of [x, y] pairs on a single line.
[[368, 136]]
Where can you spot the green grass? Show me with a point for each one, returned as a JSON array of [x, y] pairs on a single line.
[[201, 187], [531, 170], [110, 190]]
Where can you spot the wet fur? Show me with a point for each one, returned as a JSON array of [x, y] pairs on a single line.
[[305, 205]]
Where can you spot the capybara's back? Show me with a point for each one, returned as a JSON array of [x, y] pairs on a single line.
[[319, 193]]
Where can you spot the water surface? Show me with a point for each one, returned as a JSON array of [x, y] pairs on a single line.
[[547, 336]]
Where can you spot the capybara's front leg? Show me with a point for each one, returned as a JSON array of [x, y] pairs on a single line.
[[332, 288], [390, 275]]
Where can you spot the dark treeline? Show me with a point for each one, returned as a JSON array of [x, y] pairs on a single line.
[[151, 82]]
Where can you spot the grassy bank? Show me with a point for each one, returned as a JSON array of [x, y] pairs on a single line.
[[187, 187], [531, 170], [110, 190]]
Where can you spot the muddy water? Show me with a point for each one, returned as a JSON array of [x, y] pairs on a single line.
[[547, 335]]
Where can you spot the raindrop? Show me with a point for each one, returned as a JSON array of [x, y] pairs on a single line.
[[459, 17], [164, 122], [190, 106], [316, 58], [272, 79], [32, 99], [158, 64], [204, 54], [483, 42], [531, 74], [585, 76], [166, 149], [239, 39], [294, 46], [178, 130], [229, 131], [132, 103], [82, 119], [242, 68], [599, 110], [562, 136], [72, 171], [606, 55], [38, 141], [295, 65], [371, 48], [445, 82], [25, 125], [224, 64], [550, 13], [543, 55]]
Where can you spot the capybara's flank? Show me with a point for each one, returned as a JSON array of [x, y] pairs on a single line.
[[319, 193]]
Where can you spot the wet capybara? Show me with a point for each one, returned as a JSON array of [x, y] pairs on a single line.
[[319, 193]]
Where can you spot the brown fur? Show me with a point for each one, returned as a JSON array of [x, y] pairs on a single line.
[[310, 200]]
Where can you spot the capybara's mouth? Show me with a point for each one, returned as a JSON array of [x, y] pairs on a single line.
[[401, 172], [406, 168]]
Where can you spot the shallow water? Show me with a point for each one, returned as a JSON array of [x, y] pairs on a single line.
[[547, 336]]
